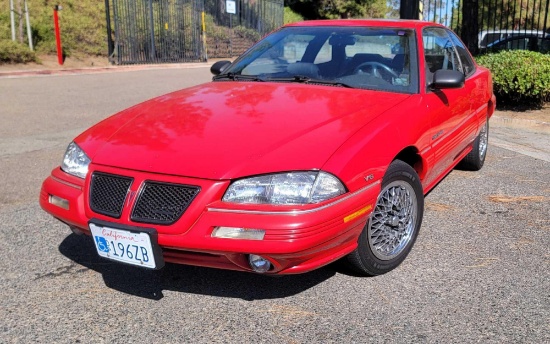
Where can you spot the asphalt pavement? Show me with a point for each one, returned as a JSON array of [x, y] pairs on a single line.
[[479, 271]]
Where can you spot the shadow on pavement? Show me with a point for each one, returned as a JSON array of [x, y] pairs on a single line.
[[188, 279]]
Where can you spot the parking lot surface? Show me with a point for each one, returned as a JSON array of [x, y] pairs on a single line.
[[479, 271]]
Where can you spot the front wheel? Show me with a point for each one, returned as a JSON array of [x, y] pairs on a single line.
[[394, 223]]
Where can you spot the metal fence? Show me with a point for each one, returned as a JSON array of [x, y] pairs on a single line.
[[158, 31], [482, 22], [155, 31], [230, 34]]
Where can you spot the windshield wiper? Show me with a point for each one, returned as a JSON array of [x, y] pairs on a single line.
[[307, 80], [237, 77]]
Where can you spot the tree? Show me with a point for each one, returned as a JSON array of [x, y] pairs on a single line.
[[334, 9]]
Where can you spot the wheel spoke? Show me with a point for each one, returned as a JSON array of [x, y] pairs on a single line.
[[392, 221]]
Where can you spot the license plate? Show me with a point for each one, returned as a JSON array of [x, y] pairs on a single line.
[[131, 247]]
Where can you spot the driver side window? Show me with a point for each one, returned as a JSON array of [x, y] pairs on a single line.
[[439, 52]]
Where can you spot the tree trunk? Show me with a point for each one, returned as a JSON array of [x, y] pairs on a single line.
[[20, 15]]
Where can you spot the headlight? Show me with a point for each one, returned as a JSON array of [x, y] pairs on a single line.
[[75, 161], [285, 188]]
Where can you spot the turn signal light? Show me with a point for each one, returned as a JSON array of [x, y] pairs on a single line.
[[238, 233], [60, 202]]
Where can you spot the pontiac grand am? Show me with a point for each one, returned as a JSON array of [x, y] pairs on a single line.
[[319, 143]]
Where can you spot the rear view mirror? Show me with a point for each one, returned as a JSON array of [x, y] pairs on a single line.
[[443, 79], [218, 67]]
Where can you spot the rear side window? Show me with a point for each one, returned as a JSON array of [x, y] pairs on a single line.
[[468, 65]]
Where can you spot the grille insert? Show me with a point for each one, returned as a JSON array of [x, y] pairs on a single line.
[[162, 203], [108, 193]]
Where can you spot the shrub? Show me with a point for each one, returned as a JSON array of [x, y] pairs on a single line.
[[249, 34], [13, 52], [520, 78], [290, 16]]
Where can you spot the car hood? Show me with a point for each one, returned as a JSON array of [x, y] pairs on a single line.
[[224, 130]]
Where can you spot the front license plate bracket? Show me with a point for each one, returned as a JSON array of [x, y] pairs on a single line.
[[136, 246]]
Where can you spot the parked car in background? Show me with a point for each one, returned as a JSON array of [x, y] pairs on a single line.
[[487, 37], [522, 42], [319, 143]]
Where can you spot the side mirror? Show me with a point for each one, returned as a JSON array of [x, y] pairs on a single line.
[[447, 79], [218, 67]]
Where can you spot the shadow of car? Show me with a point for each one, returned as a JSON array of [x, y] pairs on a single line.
[[151, 284]]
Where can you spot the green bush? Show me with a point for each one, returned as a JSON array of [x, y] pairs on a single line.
[[291, 17], [520, 78], [250, 34], [13, 52]]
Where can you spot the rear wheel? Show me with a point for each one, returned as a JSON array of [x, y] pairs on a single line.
[[476, 158], [394, 223]]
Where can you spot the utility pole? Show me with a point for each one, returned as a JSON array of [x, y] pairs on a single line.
[[29, 31], [12, 20]]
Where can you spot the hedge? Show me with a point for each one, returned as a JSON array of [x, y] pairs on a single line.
[[13, 52], [520, 78]]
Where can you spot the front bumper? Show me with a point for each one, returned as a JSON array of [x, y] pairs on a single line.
[[297, 239]]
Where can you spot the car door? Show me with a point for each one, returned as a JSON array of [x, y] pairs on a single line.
[[453, 124]]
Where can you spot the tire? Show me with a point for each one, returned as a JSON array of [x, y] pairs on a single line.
[[476, 158], [402, 189]]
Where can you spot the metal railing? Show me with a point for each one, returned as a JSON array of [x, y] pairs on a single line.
[[230, 34], [482, 22], [163, 31]]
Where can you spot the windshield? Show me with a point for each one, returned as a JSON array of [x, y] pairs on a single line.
[[360, 57]]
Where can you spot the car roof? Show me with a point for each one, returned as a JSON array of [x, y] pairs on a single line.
[[513, 38], [395, 23]]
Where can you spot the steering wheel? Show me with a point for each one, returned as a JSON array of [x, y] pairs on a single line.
[[376, 67]]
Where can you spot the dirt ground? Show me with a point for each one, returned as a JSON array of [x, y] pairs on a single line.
[[542, 115], [50, 62]]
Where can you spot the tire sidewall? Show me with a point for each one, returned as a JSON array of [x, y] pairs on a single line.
[[398, 171]]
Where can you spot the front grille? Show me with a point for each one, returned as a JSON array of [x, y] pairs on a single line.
[[162, 203], [108, 192]]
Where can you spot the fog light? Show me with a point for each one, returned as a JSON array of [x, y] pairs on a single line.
[[259, 264], [60, 202], [238, 233]]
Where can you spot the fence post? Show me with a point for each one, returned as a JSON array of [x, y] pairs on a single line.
[[470, 25], [152, 24], [204, 41], [110, 43], [408, 9], [546, 16]]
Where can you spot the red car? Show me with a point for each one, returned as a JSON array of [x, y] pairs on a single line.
[[319, 143]]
